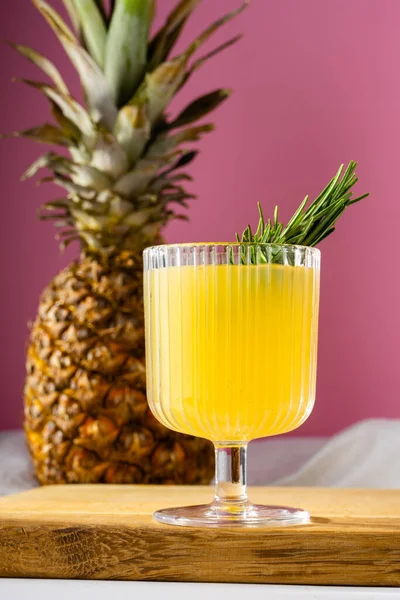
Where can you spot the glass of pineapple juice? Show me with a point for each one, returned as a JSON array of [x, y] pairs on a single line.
[[231, 349]]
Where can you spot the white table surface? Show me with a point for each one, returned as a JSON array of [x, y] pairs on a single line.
[[49, 589]]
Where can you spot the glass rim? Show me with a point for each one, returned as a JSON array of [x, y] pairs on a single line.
[[312, 249]]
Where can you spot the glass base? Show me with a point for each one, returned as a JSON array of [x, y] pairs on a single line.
[[248, 515]]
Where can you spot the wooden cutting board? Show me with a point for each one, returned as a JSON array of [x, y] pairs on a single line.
[[107, 532]]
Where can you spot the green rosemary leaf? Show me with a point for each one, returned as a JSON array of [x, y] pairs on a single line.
[[261, 224], [324, 235], [325, 193], [324, 210], [265, 235], [325, 224], [309, 225], [276, 215], [358, 199], [297, 215], [277, 232]]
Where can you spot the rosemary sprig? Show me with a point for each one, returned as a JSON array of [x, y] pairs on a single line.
[[308, 226]]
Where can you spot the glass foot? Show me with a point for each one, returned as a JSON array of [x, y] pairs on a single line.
[[248, 515]]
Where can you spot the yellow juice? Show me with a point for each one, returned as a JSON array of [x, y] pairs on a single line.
[[231, 349]]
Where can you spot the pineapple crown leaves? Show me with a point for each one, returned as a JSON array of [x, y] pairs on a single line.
[[308, 226], [121, 173]]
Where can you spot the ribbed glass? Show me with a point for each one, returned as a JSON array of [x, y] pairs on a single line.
[[231, 336], [231, 348]]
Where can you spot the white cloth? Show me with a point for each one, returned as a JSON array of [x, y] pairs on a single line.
[[268, 460], [366, 455], [16, 473]]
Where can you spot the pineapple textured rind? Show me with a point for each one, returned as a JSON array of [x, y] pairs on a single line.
[[86, 415]]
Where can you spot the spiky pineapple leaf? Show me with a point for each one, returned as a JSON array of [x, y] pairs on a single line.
[[183, 161], [182, 10], [43, 162], [200, 108], [126, 48], [164, 41], [87, 221], [45, 134], [152, 11], [53, 17], [179, 197], [95, 86], [82, 175], [101, 5], [166, 143], [44, 64], [93, 24], [57, 204], [203, 59], [108, 156], [138, 218], [160, 86], [132, 130], [71, 187], [137, 180], [161, 183], [73, 14], [169, 44], [181, 177], [68, 128], [123, 172], [89, 177], [211, 29], [71, 109]]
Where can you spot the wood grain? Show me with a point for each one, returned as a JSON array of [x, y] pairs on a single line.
[[107, 532]]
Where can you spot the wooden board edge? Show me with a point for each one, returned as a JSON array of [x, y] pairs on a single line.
[[145, 553]]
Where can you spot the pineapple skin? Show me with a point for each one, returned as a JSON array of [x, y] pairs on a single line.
[[86, 415]]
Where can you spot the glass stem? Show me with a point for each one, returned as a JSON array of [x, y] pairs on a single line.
[[231, 474]]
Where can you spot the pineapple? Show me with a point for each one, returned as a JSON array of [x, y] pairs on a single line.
[[86, 414]]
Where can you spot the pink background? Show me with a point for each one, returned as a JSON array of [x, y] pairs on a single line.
[[316, 83]]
